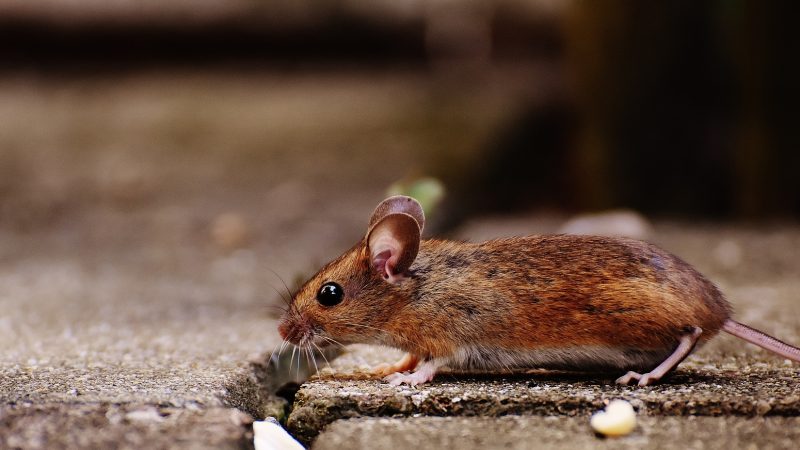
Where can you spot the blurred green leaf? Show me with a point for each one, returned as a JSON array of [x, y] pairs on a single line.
[[428, 191]]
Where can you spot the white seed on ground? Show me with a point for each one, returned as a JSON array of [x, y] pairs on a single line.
[[618, 419], [269, 435]]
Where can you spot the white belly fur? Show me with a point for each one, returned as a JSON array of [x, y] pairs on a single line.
[[584, 358]]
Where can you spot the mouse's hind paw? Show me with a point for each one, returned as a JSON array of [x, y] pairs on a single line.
[[628, 377], [643, 379], [685, 346]]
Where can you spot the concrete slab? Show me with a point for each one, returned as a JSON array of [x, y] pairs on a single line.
[[89, 349], [708, 391], [515, 432], [104, 425]]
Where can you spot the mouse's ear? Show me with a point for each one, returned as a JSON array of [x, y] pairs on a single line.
[[393, 236]]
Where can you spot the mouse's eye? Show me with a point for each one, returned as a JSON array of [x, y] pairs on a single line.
[[330, 294]]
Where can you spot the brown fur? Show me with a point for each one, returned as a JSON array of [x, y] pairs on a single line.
[[515, 293]]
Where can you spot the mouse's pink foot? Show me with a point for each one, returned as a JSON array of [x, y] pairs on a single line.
[[643, 379], [628, 377], [411, 379], [424, 373], [685, 346], [405, 364]]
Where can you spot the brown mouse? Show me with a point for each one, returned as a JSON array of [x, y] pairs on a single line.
[[561, 302]]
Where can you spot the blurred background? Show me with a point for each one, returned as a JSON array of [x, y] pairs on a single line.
[[169, 169], [164, 134]]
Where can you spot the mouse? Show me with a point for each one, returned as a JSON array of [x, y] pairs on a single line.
[[564, 302]]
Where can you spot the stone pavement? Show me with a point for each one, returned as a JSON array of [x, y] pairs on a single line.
[[151, 349], [697, 390], [95, 357], [558, 432]]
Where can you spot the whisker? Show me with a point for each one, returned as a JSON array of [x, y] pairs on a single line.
[[360, 325], [393, 336], [297, 375], [291, 360], [280, 294], [322, 354], [272, 355], [313, 359], [288, 291], [332, 341], [277, 291], [278, 307]]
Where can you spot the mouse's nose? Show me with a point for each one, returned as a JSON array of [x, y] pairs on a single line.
[[284, 329], [293, 330]]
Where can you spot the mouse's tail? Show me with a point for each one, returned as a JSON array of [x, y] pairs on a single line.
[[761, 339]]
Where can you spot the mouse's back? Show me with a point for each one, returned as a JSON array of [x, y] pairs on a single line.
[[548, 291]]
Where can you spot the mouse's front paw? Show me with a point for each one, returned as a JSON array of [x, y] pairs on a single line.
[[396, 379], [408, 362], [383, 370], [411, 379]]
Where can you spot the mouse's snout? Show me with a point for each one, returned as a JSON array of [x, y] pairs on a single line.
[[294, 329], [283, 329]]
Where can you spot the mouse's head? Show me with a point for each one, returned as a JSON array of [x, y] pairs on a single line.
[[350, 298]]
